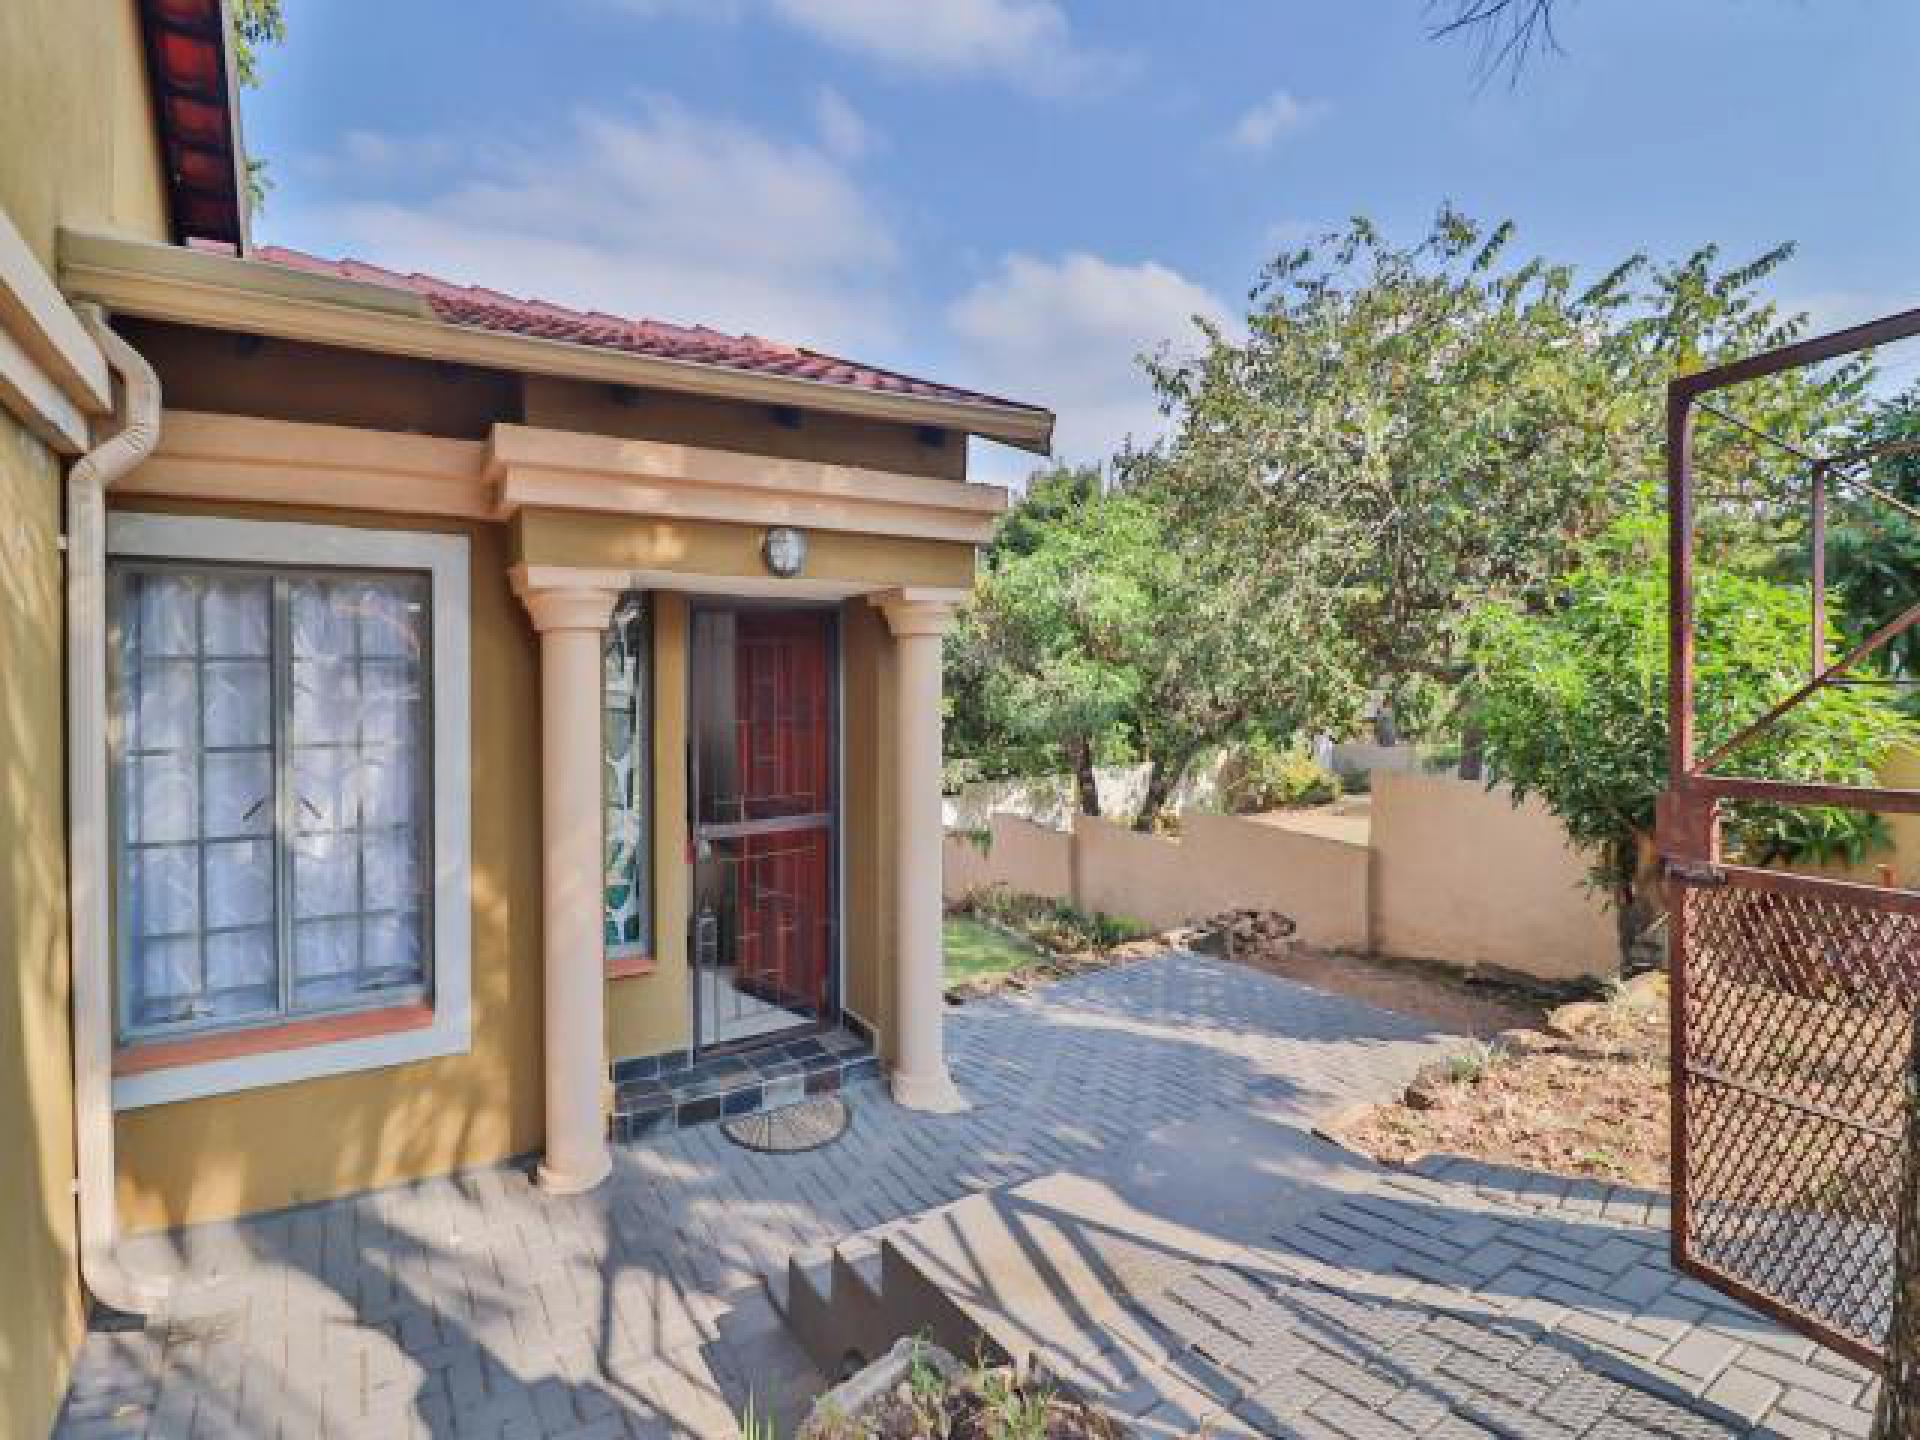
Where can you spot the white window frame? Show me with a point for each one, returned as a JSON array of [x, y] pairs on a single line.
[[444, 559]]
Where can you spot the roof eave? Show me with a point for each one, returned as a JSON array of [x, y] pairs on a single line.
[[223, 292]]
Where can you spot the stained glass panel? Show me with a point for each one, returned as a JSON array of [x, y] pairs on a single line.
[[626, 699]]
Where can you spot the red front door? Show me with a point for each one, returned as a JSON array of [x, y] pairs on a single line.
[[764, 822]]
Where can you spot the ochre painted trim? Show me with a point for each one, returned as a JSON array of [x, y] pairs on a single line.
[[565, 470], [629, 967], [52, 375], [160, 282], [240, 458], [39, 318], [294, 1035], [245, 459], [27, 393]]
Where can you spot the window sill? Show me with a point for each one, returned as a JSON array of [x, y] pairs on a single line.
[[139, 1059], [628, 967], [163, 1072]]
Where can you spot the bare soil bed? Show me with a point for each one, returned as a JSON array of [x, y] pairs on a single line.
[[1585, 1097], [1575, 1087], [1454, 1003]]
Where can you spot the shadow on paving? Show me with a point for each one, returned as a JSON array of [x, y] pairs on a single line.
[[1261, 1286], [473, 1305]]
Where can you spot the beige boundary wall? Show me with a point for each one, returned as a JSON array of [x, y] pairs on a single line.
[[1446, 870], [1464, 875]]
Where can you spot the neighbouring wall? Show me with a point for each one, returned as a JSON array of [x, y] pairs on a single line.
[[1221, 862], [40, 1321], [1032, 859], [1465, 876], [281, 1145], [1443, 870]]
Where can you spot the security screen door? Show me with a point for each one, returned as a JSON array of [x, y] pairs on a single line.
[[763, 795]]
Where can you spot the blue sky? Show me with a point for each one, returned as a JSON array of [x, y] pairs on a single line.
[[1024, 194]]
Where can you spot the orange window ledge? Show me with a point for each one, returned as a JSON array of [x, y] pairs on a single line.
[[294, 1035], [626, 967]]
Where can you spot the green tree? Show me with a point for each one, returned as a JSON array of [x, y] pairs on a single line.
[[979, 740], [1437, 423], [1873, 547], [1102, 629], [1571, 699], [255, 25]]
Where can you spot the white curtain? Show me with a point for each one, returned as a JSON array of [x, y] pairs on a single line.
[[205, 807]]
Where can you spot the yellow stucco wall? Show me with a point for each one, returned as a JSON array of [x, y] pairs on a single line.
[[75, 146], [706, 547], [40, 1319], [76, 128], [866, 799], [259, 1149], [649, 1014]]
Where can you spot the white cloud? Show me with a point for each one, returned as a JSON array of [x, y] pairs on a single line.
[[843, 130], [668, 213], [1067, 333], [1275, 118], [1027, 41]]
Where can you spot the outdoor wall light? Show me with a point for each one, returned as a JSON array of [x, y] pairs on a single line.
[[785, 550]]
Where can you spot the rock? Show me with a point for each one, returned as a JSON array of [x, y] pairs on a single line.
[[1235, 933], [1569, 1022], [1527, 1042], [1429, 1088], [1645, 992], [868, 1390], [1422, 1097]]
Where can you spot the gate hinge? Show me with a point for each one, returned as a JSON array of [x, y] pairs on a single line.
[[1695, 872]]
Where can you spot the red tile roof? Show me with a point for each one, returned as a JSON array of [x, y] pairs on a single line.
[[187, 71], [490, 310]]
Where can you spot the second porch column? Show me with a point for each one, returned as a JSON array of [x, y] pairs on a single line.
[[920, 1080], [572, 623]]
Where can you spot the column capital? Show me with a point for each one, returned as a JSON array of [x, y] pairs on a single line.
[[917, 610], [562, 598]]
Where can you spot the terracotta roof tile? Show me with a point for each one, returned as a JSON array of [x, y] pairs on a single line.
[[542, 319]]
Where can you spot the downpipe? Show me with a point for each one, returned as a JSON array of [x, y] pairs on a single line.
[[109, 1281]]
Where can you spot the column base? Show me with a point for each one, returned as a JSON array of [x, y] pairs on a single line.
[[935, 1094], [572, 1182]]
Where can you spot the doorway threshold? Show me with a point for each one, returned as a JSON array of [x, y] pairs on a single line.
[[672, 1092]]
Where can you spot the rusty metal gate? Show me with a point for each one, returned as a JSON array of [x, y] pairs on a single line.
[[1793, 997]]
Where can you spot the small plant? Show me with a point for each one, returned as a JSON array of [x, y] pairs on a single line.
[[754, 1425], [1014, 1413], [1054, 925], [1279, 777], [1470, 1066]]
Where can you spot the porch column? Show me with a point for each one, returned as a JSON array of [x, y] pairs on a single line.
[[918, 620], [572, 620]]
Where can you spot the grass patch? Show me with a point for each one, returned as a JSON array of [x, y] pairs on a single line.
[[975, 951]]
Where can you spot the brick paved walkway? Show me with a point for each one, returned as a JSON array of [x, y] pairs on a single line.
[[474, 1306], [1461, 1301]]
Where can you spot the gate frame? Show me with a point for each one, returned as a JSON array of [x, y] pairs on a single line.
[[1687, 828]]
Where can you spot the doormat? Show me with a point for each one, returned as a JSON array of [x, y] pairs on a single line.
[[792, 1128]]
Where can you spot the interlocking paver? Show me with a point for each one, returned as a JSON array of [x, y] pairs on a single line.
[[475, 1306]]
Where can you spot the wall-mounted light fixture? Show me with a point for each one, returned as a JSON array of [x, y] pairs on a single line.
[[785, 550]]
